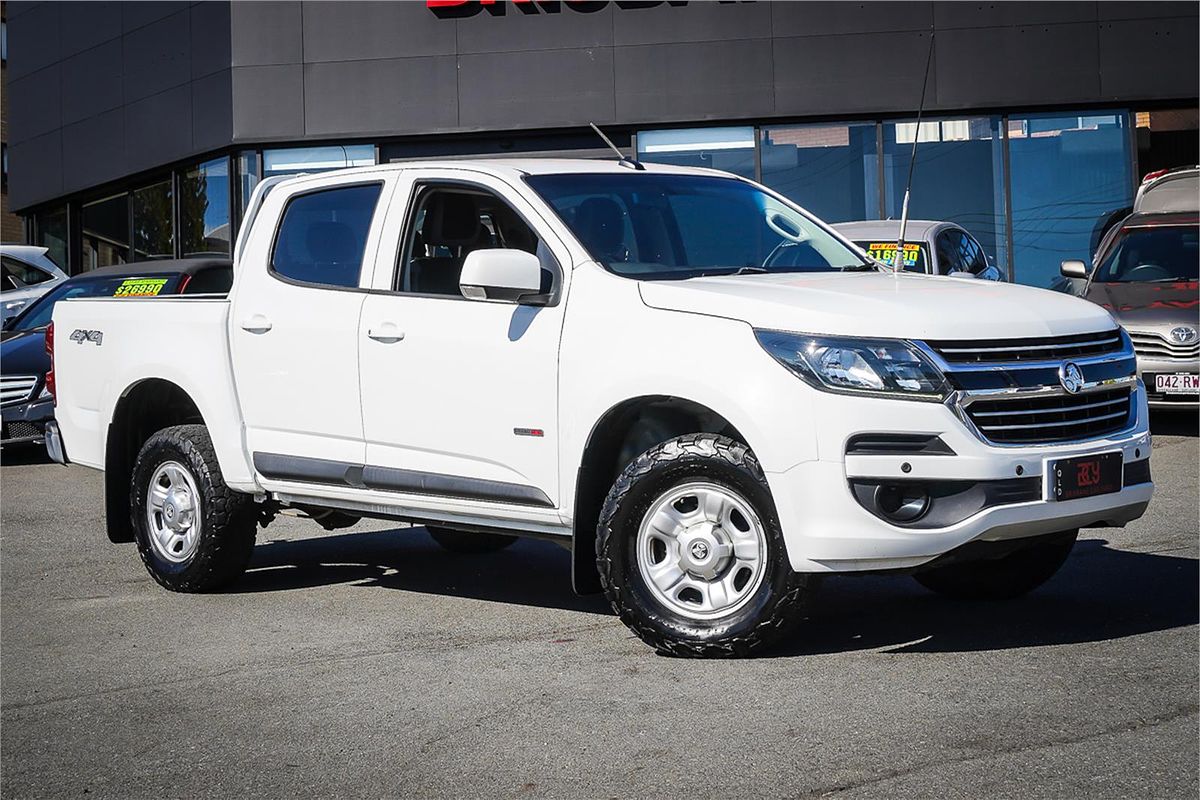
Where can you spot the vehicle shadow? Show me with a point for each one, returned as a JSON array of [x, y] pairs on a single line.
[[529, 572], [1100, 594], [23, 455], [1174, 423]]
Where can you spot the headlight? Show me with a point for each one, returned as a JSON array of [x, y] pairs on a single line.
[[45, 393], [884, 367]]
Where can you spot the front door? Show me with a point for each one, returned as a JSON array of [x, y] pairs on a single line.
[[460, 397]]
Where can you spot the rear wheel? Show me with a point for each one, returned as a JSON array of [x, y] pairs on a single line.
[[193, 532], [467, 543], [1002, 578], [691, 553]]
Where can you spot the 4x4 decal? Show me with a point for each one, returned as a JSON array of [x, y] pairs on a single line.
[[80, 336]]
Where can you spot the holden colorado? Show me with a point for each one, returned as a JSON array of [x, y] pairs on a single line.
[[706, 394]]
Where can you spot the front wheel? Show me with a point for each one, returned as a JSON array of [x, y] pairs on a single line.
[[691, 553], [1002, 578], [193, 532]]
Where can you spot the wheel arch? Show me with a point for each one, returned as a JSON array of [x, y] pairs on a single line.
[[621, 433], [145, 407]]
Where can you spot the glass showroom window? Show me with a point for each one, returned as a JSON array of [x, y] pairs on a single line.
[[249, 170], [1071, 175], [831, 170], [105, 226], [153, 228], [959, 176], [316, 159], [204, 208], [730, 149], [51, 233]]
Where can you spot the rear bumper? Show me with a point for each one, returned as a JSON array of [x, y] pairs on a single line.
[[26, 422], [54, 444]]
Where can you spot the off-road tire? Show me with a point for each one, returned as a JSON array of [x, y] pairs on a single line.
[[1013, 575], [776, 607], [228, 518], [468, 543]]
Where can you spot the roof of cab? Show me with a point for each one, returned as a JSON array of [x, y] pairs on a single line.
[[517, 167], [173, 266], [918, 229]]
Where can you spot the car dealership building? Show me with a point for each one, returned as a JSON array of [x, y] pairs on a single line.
[[137, 130]]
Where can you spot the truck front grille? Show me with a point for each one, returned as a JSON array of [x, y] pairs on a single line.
[[1049, 348], [1153, 345], [16, 388], [1052, 418]]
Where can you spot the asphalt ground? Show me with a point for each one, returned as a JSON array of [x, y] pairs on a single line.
[[371, 663]]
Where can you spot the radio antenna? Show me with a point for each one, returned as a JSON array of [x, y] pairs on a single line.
[[898, 263], [623, 160]]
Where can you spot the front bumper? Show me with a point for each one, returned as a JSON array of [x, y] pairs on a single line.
[[1148, 367], [26, 422], [828, 530]]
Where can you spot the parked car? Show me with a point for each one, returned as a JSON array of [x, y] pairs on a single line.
[[1147, 273], [28, 273], [605, 355], [25, 401], [936, 248], [1168, 190]]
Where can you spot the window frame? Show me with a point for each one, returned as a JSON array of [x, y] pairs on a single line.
[[411, 208], [380, 183]]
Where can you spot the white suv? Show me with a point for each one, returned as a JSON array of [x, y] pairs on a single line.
[[706, 393]]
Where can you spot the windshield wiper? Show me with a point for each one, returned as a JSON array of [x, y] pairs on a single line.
[[858, 268]]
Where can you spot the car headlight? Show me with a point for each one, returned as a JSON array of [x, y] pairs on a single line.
[[883, 367], [45, 393]]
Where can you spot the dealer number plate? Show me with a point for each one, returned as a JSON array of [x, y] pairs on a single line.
[[1085, 476]]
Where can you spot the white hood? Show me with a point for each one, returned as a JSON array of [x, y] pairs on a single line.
[[876, 304]]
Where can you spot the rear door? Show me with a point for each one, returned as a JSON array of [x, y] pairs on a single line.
[[460, 397], [294, 325]]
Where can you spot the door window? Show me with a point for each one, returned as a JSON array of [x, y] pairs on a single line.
[[323, 235], [948, 252], [451, 222], [18, 274]]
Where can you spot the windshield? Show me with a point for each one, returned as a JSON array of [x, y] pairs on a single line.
[[1162, 253], [38, 314], [655, 226], [915, 257]]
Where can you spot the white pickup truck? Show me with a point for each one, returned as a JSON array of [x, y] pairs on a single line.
[[706, 393]]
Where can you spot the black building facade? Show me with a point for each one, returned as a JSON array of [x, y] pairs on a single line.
[[138, 129]]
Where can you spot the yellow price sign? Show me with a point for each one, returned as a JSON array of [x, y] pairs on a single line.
[[140, 287], [886, 252]]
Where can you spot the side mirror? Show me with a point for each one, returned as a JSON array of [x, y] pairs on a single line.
[[1073, 268], [513, 276]]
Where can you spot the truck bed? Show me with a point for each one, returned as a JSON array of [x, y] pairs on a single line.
[[105, 347]]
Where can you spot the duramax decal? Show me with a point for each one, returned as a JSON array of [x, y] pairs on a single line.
[[140, 287], [79, 336]]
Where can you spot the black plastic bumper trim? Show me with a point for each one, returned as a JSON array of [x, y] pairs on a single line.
[[388, 479], [950, 501]]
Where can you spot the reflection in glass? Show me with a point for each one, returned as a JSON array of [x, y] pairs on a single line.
[[959, 176], [105, 226], [153, 231], [204, 208], [316, 159], [249, 174], [52, 234], [830, 170], [1071, 175], [729, 149]]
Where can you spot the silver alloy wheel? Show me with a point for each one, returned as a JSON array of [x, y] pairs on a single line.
[[701, 549], [173, 512]]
